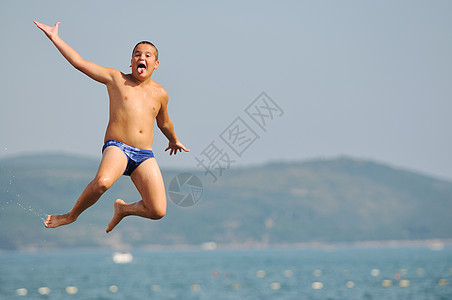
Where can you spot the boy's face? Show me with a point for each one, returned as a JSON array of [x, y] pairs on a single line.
[[143, 61]]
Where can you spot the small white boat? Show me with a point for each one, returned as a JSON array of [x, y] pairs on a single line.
[[122, 257]]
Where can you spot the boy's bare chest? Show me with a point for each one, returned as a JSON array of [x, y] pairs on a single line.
[[136, 100]]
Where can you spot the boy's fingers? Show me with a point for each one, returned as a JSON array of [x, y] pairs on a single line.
[[175, 148]]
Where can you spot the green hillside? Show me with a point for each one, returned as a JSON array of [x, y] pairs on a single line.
[[333, 200]]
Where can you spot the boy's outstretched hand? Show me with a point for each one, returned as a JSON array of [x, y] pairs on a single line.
[[176, 147], [49, 31]]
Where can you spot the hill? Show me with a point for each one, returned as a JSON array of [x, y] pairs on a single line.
[[335, 200]]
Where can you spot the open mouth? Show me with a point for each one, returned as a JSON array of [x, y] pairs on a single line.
[[141, 68]]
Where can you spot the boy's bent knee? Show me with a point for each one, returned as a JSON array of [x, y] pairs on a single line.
[[157, 214], [101, 185]]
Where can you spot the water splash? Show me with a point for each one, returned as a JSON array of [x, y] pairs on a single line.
[[8, 197], [30, 210], [6, 186]]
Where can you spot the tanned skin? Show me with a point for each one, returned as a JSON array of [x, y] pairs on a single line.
[[136, 102]]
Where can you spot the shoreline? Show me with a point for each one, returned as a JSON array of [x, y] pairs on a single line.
[[432, 244]]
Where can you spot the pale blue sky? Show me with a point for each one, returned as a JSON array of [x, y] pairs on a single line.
[[368, 79]]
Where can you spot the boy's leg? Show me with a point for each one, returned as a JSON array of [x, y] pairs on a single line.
[[111, 167], [149, 182]]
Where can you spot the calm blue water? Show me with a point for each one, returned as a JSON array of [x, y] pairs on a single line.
[[263, 274]]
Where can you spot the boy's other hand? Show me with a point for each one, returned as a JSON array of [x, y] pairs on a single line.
[[49, 31], [176, 147]]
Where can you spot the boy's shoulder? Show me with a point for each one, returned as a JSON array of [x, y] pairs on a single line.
[[159, 89]]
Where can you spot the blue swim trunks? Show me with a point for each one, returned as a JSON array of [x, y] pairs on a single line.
[[135, 156]]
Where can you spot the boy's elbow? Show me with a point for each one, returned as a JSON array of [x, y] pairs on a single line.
[[79, 65], [163, 124], [160, 124]]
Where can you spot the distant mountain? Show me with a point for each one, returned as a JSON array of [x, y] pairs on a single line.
[[335, 200]]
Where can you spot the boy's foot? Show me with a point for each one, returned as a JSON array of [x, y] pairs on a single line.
[[54, 221], [118, 215]]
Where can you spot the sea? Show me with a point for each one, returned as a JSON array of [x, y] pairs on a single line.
[[278, 273]]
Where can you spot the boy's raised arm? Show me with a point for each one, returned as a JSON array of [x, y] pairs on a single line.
[[94, 71]]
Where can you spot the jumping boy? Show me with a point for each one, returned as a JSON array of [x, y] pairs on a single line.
[[136, 101]]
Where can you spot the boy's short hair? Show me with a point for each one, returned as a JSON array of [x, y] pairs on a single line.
[[156, 52]]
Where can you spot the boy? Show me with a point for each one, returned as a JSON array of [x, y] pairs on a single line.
[[136, 101]]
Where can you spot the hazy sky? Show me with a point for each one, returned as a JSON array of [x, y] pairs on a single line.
[[367, 79]]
